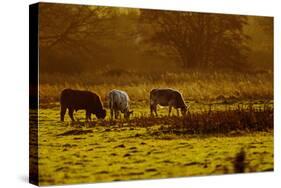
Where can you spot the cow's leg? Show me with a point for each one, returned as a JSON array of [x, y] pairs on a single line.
[[115, 113], [119, 114], [183, 112], [155, 110], [88, 115], [151, 108], [111, 113], [62, 112], [170, 103], [70, 113], [170, 109], [178, 112]]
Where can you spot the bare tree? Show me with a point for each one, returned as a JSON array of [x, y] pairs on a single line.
[[197, 39], [75, 27]]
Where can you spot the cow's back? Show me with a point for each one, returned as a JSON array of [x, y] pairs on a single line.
[[118, 99], [161, 96], [79, 99]]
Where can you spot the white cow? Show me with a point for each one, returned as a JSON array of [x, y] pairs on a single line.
[[119, 101]]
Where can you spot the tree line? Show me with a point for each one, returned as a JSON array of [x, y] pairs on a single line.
[[77, 36]]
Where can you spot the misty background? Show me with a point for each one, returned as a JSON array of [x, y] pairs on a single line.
[[76, 39]]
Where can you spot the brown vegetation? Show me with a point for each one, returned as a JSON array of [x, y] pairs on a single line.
[[222, 122], [193, 85], [228, 122]]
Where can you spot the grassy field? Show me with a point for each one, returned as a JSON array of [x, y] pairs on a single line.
[[229, 128], [97, 151]]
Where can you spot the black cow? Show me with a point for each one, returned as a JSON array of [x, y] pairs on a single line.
[[75, 100]]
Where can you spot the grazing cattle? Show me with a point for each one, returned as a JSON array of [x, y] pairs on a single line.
[[167, 97], [119, 101], [74, 100]]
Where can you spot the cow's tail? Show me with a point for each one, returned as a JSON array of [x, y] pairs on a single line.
[[151, 102], [150, 99], [111, 104], [110, 101]]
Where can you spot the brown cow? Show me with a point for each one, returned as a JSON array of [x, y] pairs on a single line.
[[167, 97], [76, 100]]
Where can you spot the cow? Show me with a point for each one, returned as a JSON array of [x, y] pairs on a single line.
[[167, 97], [119, 101], [74, 100]]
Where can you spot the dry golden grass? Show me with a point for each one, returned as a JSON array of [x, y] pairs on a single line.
[[193, 85]]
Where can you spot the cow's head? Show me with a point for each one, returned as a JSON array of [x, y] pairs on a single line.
[[184, 110], [127, 114], [101, 114]]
